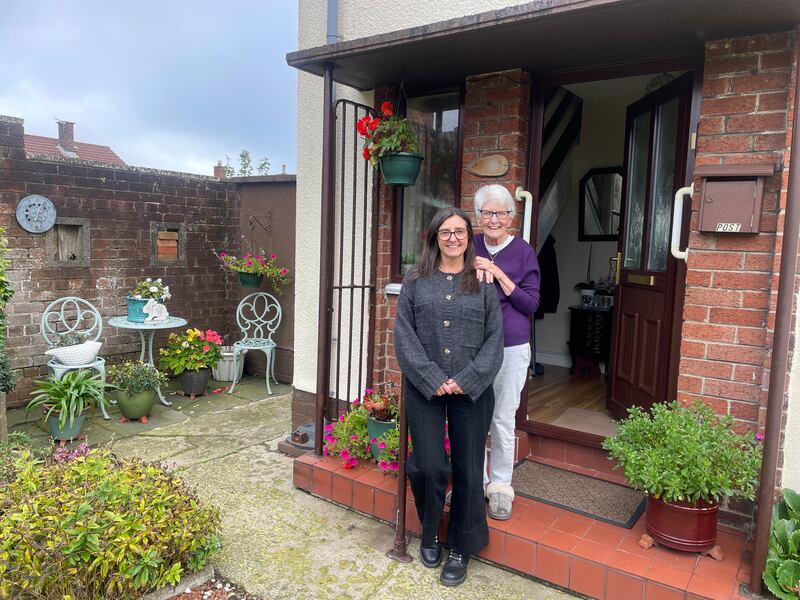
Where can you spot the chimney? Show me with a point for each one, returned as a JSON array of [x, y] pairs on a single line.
[[66, 135], [219, 170], [283, 169]]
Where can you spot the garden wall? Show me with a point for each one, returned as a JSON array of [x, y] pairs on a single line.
[[122, 210]]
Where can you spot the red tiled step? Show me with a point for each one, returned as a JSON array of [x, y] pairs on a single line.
[[579, 553]]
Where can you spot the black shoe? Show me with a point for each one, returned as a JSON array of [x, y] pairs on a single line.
[[455, 569], [431, 556]]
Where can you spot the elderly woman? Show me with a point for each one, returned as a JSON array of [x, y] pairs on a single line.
[[448, 338], [511, 264]]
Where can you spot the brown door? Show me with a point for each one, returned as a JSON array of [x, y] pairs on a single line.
[[657, 129]]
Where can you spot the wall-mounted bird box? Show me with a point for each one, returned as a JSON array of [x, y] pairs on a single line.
[[731, 197]]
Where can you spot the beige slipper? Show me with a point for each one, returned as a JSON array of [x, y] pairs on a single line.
[[501, 498]]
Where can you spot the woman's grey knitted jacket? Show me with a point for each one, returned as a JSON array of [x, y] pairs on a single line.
[[442, 333]]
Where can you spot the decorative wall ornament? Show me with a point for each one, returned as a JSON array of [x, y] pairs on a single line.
[[493, 165]]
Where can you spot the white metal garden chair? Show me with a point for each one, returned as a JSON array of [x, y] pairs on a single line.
[[258, 316], [72, 315]]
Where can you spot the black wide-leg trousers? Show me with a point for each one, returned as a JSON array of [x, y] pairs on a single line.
[[428, 467]]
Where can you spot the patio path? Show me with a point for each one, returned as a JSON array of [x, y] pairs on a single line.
[[281, 542]]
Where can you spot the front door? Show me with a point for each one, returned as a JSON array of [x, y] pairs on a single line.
[[657, 129]]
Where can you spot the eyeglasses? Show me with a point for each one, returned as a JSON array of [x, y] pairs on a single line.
[[444, 234], [500, 214]]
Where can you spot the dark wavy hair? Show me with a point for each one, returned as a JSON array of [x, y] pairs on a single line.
[[428, 262]]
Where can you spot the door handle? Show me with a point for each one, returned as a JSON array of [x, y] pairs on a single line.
[[520, 194], [677, 222], [613, 263]]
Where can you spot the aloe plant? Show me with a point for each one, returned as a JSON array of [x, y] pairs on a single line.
[[69, 396], [782, 574]]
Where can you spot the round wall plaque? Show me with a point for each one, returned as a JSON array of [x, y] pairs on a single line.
[[36, 213]]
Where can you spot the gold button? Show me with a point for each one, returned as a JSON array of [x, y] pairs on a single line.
[[449, 297], [447, 351], [447, 323], [449, 278]]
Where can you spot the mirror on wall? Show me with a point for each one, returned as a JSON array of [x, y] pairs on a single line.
[[599, 208]]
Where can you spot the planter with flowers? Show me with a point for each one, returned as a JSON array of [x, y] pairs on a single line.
[[390, 142], [686, 459], [253, 267], [136, 384], [191, 356], [381, 412], [72, 349], [141, 294]]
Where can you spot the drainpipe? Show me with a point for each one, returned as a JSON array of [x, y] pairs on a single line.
[[780, 353], [332, 35]]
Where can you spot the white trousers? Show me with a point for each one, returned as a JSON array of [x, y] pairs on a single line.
[[507, 389]]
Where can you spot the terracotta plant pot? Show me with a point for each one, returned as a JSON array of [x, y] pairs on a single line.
[[682, 525], [135, 406], [194, 383]]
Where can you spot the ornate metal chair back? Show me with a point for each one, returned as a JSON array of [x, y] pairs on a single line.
[[258, 316], [70, 315]]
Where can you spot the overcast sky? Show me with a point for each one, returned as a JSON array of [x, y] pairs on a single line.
[[166, 84]]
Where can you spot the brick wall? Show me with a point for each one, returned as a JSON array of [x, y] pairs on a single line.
[[731, 282], [495, 121], [120, 204]]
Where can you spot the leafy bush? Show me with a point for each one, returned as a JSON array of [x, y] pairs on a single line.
[[98, 528], [69, 396], [148, 288], [73, 338], [685, 453], [782, 574], [135, 377], [6, 380], [191, 352], [347, 438]]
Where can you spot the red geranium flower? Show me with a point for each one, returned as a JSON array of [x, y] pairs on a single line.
[[373, 125], [365, 154], [387, 109]]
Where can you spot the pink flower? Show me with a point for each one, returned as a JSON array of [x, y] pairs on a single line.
[[284, 272], [353, 462], [216, 390], [347, 464], [383, 465], [249, 263], [382, 445], [341, 418], [394, 465], [354, 437], [330, 439], [446, 444], [345, 454], [258, 258], [329, 427], [368, 391], [248, 255], [223, 254], [325, 451], [373, 441], [760, 436], [273, 256], [206, 348]]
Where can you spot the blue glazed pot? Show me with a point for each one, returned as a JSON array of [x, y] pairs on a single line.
[[136, 310], [68, 433], [375, 429]]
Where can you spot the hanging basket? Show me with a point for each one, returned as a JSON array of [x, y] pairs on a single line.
[[251, 280], [400, 168]]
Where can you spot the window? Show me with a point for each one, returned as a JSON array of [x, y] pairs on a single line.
[[67, 244], [168, 241], [435, 119]]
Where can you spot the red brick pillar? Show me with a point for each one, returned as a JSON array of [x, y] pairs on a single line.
[[731, 279]]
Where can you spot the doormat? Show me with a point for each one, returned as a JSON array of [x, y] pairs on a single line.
[[595, 498]]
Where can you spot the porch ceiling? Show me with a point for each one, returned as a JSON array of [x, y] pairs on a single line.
[[544, 36]]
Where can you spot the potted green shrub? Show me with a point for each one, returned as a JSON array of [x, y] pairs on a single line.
[[136, 384], [73, 349], [66, 401], [391, 143], [782, 573], [191, 356], [144, 291], [686, 459]]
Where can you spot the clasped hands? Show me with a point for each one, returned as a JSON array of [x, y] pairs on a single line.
[[486, 269], [449, 387]]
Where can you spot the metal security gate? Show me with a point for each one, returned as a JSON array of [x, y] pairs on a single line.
[[348, 265]]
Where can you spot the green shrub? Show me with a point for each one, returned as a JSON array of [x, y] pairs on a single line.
[[135, 377], [685, 453], [98, 528], [782, 574], [73, 338]]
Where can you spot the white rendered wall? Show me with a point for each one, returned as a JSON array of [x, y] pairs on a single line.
[[357, 18], [791, 449]]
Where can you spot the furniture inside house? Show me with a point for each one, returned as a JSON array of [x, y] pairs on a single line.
[[590, 334], [72, 315], [258, 317]]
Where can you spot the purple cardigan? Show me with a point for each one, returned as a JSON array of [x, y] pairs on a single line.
[[518, 261]]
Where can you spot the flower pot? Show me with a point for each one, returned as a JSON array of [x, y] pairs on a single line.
[[400, 168], [135, 406], [224, 369], [375, 429], [68, 433], [136, 310], [79, 354], [195, 383], [251, 280], [691, 527]]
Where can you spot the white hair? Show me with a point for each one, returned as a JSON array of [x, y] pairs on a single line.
[[495, 192]]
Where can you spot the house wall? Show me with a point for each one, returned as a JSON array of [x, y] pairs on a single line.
[[120, 205], [731, 281]]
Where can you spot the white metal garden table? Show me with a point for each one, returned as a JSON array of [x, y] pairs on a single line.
[[147, 331]]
